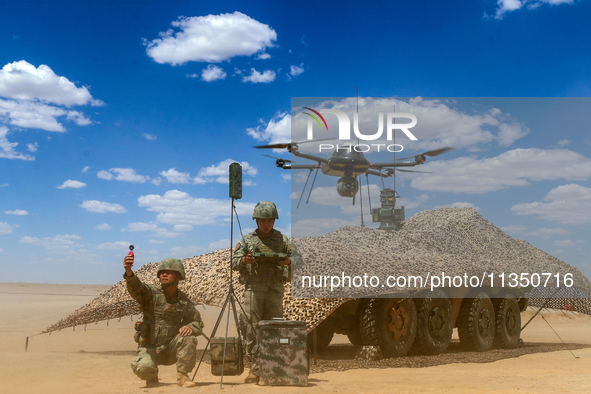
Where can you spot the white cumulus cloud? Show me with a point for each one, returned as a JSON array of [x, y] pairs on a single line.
[[23, 81], [102, 207], [512, 168], [174, 176], [212, 73], [18, 212], [183, 227], [257, 77], [7, 150], [567, 204], [103, 227], [118, 245], [211, 39], [220, 172], [152, 227], [221, 244], [179, 208], [294, 71], [123, 174], [33, 147], [71, 184], [277, 130], [546, 233], [35, 115], [58, 244], [5, 228], [35, 97], [505, 6], [567, 243]]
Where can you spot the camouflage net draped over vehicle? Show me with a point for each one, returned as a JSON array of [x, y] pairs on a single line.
[[454, 240]]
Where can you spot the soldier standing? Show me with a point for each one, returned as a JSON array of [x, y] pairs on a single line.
[[263, 283], [171, 324]]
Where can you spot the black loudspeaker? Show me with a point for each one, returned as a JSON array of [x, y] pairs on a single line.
[[235, 181]]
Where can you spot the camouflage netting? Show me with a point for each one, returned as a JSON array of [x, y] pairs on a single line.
[[454, 240]]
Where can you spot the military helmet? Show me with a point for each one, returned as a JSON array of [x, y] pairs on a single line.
[[172, 265], [265, 210]]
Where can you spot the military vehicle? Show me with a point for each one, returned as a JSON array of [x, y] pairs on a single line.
[[425, 325]]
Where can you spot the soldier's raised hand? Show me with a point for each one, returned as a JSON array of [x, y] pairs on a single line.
[[127, 263]]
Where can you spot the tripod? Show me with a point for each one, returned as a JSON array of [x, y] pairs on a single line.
[[230, 303]]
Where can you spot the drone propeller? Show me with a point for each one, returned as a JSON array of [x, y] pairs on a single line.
[[390, 171], [273, 146], [422, 172], [431, 153], [282, 145], [278, 158]]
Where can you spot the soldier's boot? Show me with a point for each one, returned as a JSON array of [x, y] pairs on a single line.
[[251, 378], [152, 382], [184, 380]]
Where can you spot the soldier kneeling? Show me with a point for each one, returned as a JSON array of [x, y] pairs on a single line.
[[168, 333]]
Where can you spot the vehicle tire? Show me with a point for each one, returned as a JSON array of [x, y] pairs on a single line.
[[434, 323], [508, 322], [476, 323], [389, 323], [522, 303], [325, 332], [355, 338]]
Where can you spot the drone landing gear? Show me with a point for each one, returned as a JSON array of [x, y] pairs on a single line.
[[311, 187]]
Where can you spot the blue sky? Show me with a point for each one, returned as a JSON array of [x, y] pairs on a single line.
[[118, 119]]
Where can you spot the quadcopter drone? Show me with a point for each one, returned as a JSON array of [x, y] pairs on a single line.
[[348, 163]]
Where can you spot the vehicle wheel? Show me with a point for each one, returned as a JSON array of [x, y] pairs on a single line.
[[325, 332], [355, 338], [476, 323], [434, 323], [508, 322], [389, 323], [522, 302]]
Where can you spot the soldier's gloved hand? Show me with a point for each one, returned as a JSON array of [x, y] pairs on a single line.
[[287, 261], [248, 259], [185, 331]]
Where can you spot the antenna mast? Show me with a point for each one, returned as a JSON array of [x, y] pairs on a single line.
[[360, 192]]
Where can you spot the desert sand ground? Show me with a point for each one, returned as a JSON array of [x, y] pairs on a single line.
[[97, 360]]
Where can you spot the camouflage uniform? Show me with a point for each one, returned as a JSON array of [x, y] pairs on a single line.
[[263, 283], [164, 317]]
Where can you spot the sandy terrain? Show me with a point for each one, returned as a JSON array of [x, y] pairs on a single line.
[[96, 360]]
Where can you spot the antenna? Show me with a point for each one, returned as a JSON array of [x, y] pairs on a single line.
[[360, 192], [394, 161]]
